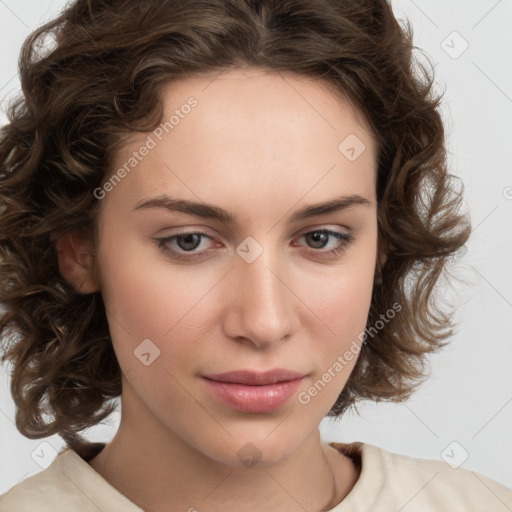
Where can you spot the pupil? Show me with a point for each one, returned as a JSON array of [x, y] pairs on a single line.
[[319, 237], [193, 239]]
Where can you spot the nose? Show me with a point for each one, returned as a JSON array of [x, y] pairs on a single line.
[[262, 306]]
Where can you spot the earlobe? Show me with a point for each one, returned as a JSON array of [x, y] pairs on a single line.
[[76, 261]]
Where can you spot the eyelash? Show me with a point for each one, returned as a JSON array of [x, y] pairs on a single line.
[[346, 240]]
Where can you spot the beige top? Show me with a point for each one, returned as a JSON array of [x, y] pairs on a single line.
[[388, 483]]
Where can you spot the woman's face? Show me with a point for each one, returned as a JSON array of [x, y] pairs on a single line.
[[242, 160]]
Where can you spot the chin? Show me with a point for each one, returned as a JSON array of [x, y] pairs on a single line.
[[252, 451]]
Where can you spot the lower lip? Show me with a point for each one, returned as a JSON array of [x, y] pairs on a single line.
[[254, 398]]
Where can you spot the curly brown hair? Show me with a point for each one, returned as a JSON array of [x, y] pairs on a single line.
[[97, 83]]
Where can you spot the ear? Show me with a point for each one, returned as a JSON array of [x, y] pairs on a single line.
[[76, 261], [381, 259]]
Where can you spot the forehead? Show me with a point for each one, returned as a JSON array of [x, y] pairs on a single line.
[[253, 102], [246, 133]]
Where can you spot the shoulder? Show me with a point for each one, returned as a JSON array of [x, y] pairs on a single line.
[[48, 489], [391, 481], [69, 483]]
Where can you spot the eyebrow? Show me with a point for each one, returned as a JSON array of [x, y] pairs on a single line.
[[209, 211]]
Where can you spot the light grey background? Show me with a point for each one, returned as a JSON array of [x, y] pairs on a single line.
[[465, 408]]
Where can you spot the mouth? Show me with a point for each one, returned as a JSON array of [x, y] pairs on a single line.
[[252, 378], [254, 392]]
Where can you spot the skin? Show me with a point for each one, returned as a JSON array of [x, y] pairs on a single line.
[[260, 145]]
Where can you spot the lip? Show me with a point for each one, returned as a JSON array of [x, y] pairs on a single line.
[[252, 378], [255, 392]]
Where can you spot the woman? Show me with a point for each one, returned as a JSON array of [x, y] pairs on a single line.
[[232, 215]]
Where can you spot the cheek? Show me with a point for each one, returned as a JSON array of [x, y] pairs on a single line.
[[347, 302], [344, 310], [142, 300], [345, 313], [139, 287], [342, 304], [342, 298]]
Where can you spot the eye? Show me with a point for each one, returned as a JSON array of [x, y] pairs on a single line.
[[320, 238], [186, 244]]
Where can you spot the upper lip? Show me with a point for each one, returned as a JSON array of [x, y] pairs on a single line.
[[253, 378]]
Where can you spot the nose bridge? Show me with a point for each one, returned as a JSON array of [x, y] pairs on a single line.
[[262, 309]]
